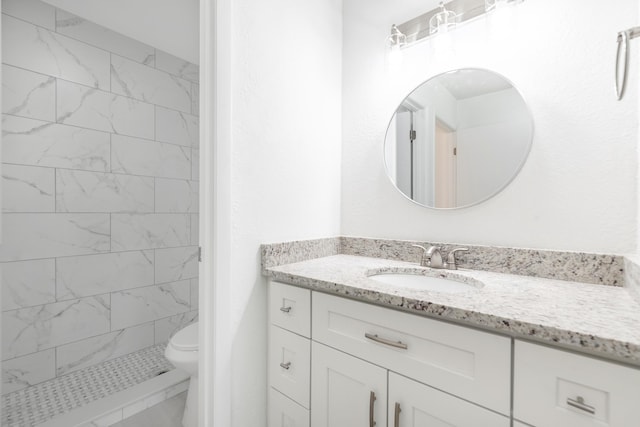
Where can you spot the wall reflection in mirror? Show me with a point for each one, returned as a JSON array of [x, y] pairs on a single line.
[[458, 139]]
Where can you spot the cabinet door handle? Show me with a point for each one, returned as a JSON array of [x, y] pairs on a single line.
[[285, 365], [396, 344], [578, 403], [285, 309], [372, 399], [396, 416]]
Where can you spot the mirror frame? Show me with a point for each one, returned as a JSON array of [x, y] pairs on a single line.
[[500, 189]]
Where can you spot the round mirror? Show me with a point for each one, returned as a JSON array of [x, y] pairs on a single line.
[[458, 139]]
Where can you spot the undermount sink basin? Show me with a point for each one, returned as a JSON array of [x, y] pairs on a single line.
[[424, 283]]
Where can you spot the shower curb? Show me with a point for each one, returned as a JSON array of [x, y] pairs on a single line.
[[124, 404]]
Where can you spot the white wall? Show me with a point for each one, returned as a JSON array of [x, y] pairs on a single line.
[[577, 190], [634, 72], [286, 154]]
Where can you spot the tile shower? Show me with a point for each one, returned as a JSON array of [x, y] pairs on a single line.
[[100, 195]]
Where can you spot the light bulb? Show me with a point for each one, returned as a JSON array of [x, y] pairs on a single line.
[[443, 21], [395, 57]]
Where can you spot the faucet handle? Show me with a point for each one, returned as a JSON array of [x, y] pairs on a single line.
[[423, 258], [451, 258]]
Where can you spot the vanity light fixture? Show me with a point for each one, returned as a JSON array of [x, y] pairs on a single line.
[[491, 5], [443, 21], [396, 40], [440, 20]]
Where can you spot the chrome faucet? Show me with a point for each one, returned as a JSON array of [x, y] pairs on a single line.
[[432, 257]]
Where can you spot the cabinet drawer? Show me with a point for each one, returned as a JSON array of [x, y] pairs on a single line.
[[289, 364], [284, 412], [467, 363], [558, 388], [290, 308], [418, 405]]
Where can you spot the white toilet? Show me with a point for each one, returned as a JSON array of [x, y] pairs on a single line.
[[182, 352]]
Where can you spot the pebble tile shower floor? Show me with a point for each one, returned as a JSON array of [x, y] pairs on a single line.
[[39, 403]]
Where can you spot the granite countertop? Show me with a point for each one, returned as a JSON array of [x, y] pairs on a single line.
[[596, 319]]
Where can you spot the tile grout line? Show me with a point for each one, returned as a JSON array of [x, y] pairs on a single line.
[[101, 90], [104, 253], [98, 172], [173, 110]]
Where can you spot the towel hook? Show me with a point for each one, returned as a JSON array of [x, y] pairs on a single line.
[[623, 50]]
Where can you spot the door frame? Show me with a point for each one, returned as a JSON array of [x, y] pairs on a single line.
[[214, 394]]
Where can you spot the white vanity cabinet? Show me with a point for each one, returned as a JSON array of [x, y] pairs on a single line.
[[359, 352], [557, 388], [337, 362]]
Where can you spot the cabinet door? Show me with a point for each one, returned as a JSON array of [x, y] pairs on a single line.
[[347, 392], [412, 404], [284, 412]]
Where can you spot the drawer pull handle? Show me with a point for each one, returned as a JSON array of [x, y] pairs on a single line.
[[285, 309], [372, 399], [579, 404], [396, 344], [285, 365], [396, 416]]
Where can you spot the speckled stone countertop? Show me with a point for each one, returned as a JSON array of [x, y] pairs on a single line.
[[590, 318]]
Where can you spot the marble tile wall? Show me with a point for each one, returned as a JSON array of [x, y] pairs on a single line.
[[99, 257]]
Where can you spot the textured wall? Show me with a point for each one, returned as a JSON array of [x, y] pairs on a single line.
[[100, 194], [285, 161], [578, 189]]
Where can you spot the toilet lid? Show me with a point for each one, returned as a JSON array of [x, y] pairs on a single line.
[[186, 338]]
